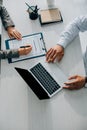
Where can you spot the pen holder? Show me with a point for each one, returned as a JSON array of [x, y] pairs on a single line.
[[33, 15]]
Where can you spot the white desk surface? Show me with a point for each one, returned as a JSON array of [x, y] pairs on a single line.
[[20, 109]]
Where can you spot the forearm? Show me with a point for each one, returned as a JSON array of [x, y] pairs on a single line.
[[5, 17], [72, 30], [9, 54]]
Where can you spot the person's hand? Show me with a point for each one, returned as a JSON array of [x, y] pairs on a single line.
[[56, 52], [25, 50], [76, 82], [13, 33]]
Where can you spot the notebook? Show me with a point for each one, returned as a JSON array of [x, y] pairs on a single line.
[[50, 16], [44, 79]]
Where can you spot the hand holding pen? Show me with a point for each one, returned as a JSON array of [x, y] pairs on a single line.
[[24, 50]]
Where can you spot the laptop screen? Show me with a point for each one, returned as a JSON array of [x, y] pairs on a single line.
[[32, 82]]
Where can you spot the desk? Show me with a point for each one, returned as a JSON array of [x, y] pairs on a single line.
[[20, 109]]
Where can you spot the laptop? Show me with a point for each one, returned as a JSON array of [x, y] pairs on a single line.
[[45, 79]]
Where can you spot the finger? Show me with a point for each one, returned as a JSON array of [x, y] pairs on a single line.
[[59, 58], [73, 77], [54, 57], [10, 35], [19, 36], [48, 53], [16, 35], [69, 87], [70, 83], [48, 57], [29, 45], [52, 54], [28, 50], [74, 86], [66, 87]]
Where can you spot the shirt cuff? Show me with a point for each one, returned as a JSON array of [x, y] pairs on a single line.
[[8, 25], [62, 43], [10, 54]]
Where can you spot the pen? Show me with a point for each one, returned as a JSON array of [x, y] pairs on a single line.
[[29, 6], [24, 46], [35, 9]]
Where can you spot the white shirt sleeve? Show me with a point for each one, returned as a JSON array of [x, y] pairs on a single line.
[[72, 30]]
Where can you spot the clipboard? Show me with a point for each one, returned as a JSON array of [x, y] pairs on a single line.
[[37, 42]]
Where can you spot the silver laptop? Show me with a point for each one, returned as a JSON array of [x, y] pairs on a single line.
[[45, 79]]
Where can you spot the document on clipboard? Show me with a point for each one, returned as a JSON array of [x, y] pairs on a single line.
[[37, 42]]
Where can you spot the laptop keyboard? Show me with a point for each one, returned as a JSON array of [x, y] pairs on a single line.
[[45, 78]]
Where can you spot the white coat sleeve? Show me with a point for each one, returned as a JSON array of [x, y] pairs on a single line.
[[79, 24]]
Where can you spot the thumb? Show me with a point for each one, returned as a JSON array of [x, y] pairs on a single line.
[[59, 58]]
